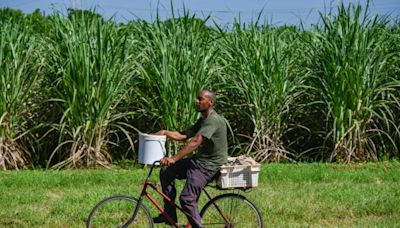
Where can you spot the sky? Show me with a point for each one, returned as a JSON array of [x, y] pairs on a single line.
[[223, 12]]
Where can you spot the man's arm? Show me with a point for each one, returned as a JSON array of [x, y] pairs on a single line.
[[187, 150], [174, 135]]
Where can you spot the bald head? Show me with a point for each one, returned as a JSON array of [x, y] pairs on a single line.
[[210, 95]]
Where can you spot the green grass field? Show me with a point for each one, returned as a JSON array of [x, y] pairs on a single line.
[[289, 195]]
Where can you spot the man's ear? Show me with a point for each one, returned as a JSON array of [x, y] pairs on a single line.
[[211, 103]]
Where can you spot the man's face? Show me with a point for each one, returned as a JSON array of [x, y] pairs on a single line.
[[203, 102]]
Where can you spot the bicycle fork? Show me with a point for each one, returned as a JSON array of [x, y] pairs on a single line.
[[144, 194], [138, 205]]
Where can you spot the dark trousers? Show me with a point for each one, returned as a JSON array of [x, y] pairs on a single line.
[[196, 179]]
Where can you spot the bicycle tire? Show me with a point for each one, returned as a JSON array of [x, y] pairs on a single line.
[[238, 210], [117, 211]]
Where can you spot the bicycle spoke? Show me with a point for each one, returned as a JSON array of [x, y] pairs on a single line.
[[231, 210], [117, 212]]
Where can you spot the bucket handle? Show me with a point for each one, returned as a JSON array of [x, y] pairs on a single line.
[[163, 148]]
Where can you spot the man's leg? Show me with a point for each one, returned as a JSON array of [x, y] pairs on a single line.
[[168, 174], [197, 179]]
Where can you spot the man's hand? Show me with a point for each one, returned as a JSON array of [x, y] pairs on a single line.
[[167, 161]]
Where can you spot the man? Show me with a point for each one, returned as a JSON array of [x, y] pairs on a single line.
[[209, 137]]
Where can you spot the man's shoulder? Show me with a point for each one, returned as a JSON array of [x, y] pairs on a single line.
[[215, 114], [216, 118]]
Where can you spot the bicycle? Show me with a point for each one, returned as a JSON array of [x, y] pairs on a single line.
[[224, 210]]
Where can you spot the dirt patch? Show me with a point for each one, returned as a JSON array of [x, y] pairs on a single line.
[[54, 196]]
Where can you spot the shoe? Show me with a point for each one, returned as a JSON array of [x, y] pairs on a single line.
[[161, 219]]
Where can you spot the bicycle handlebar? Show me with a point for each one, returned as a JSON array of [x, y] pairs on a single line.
[[154, 163], [152, 167]]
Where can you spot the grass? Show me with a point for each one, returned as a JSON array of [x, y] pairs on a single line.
[[289, 195]]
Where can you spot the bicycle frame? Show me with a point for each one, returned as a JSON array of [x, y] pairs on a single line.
[[144, 193]]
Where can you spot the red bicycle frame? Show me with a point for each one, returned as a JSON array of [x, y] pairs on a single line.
[[145, 193]]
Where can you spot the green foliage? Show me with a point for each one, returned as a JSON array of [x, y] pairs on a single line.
[[20, 67], [80, 14], [34, 21], [11, 15], [327, 93], [260, 73], [90, 58], [177, 61], [38, 22], [351, 84]]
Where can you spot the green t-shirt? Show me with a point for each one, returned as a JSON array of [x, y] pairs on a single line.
[[213, 152]]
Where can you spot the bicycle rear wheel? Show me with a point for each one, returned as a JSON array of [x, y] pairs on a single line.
[[117, 211], [231, 210]]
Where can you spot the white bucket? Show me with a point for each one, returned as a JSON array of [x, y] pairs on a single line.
[[151, 148]]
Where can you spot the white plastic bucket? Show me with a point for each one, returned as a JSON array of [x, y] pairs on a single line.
[[151, 148]]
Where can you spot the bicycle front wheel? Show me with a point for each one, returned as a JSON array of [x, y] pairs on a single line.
[[231, 210], [117, 211]]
